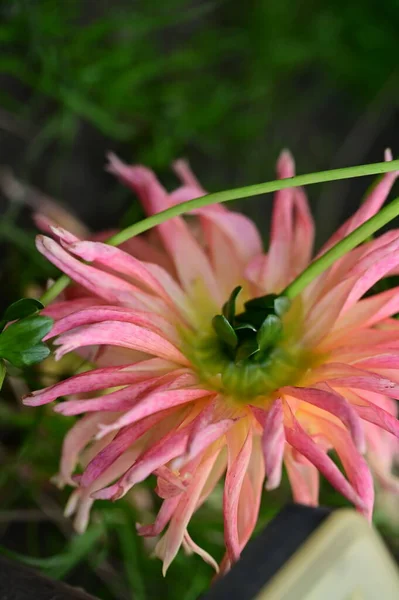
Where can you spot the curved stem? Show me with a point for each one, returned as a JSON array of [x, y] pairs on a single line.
[[359, 235], [249, 191], [227, 196]]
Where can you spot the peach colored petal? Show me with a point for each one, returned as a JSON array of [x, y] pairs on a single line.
[[273, 443], [126, 335]]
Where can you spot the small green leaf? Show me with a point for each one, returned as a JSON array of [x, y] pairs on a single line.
[[229, 308], [224, 331], [281, 305], [20, 343], [269, 332], [264, 303], [246, 349], [33, 355], [3, 372], [21, 309]]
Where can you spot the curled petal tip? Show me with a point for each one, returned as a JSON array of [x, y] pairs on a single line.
[[285, 165], [388, 155]]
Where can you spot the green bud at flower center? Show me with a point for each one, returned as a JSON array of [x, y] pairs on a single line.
[[253, 352]]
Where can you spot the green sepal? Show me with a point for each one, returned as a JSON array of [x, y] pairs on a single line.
[[263, 303], [229, 307], [247, 349], [25, 307], [281, 305], [269, 332], [225, 331], [21, 343]]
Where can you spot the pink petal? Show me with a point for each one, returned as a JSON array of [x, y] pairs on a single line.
[[100, 283], [304, 444], [368, 208], [236, 470], [205, 437], [279, 254], [119, 261], [96, 314], [303, 232], [98, 379], [123, 440], [163, 517], [189, 258], [169, 484], [335, 404], [75, 441], [303, 477], [354, 464], [156, 402], [273, 443], [369, 311], [344, 375], [119, 400], [158, 455], [168, 546], [62, 309], [377, 415], [371, 269], [126, 335]]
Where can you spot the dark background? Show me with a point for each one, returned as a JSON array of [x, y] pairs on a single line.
[[223, 83]]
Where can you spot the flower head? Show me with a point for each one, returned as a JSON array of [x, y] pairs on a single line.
[[205, 370]]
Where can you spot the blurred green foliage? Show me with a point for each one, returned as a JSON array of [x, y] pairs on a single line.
[[164, 77]]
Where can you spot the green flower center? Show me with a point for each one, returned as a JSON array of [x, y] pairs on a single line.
[[251, 353]]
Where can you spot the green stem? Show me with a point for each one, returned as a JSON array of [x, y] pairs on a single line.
[[359, 235], [227, 196]]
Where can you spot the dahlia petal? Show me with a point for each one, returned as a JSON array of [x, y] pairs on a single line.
[[377, 415], [154, 403], [59, 310], [191, 546], [368, 312], [99, 283], [343, 375], [278, 264], [322, 316], [168, 546], [354, 464], [371, 269], [303, 477], [368, 208], [158, 455], [169, 484], [142, 249], [234, 479], [119, 261], [190, 260], [251, 493], [76, 439], [273, 443], [97, 314], [124, 399], [303, 232], [205, 438], [163, 517], [335, 404], [115, 401], [304, 444], [183, 170], [98, 379], [123, 440], [125, 335]]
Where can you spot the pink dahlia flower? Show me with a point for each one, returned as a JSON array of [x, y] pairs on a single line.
[[203, 371]]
